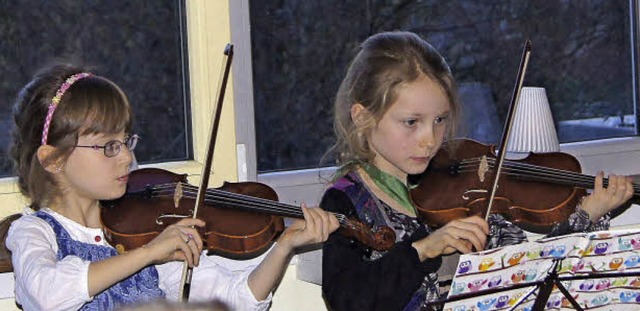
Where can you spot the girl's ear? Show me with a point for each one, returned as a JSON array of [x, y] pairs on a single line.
[[358, 113], [51, 165]]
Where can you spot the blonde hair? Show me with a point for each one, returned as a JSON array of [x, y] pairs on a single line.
[[92, 105], [385, 62]]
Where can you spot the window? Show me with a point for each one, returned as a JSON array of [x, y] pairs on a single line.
[[583, 54], [140, 45]]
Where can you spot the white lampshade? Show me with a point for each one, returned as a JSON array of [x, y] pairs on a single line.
[[533, 129]]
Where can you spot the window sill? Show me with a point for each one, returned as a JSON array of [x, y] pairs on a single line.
[[604, 146]]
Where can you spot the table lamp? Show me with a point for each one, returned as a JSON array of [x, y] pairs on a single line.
[[533, 129]]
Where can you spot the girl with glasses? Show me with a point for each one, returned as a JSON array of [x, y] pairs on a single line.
[[72, 148]]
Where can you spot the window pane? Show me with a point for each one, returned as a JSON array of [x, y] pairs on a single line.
[[581, 55], [137, 44]]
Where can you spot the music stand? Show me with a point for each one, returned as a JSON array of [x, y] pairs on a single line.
[[543, 288]]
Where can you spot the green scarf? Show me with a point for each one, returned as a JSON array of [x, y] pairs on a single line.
[[391, 185]]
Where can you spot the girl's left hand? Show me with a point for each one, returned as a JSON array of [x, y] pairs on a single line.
[[315, 228], [602, 200]]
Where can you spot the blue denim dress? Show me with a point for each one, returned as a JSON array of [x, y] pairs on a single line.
[[138, 288]]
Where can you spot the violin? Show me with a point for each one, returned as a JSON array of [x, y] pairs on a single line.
[[534, 193], [242, 219]]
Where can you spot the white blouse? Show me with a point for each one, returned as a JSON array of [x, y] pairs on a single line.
[[44, 283]]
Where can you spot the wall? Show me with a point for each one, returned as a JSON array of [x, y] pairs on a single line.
[[209, 31]]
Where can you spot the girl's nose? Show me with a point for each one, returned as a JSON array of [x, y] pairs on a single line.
[[126, 155], [428, 139]]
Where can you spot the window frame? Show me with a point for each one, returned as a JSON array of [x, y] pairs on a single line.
[[207, 34], [614, 155]]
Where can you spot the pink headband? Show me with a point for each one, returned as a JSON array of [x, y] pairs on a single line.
[[56, 100]]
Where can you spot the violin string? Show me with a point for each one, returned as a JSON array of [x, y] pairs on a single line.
[[530, 171], [248, 203], [586, 181], [256, 207], [269, 206], [549, 174], [527, 171], [254, 204], [240, 200]]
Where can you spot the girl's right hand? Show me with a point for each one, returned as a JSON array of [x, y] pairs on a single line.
[[179, 241], [459, 235]]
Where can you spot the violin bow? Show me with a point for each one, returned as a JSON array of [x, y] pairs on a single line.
[[187, 272], [524, 62]]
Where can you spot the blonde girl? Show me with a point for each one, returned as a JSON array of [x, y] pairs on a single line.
[[396, 105]]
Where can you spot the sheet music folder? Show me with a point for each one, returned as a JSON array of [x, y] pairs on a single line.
[[582, 271]]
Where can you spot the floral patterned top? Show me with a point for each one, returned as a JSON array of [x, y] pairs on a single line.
[[355, 277]]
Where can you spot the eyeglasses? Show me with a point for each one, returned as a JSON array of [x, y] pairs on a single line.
[[112, 148]]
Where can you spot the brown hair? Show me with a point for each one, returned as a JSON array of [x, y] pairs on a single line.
[[91, 105], [385, 62]]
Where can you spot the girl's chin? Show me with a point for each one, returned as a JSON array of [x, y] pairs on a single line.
[[116, 195], [417, 169]]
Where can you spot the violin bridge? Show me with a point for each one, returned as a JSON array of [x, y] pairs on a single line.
[[483, 168], [466, 195], [177, 195], [160, 219]]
